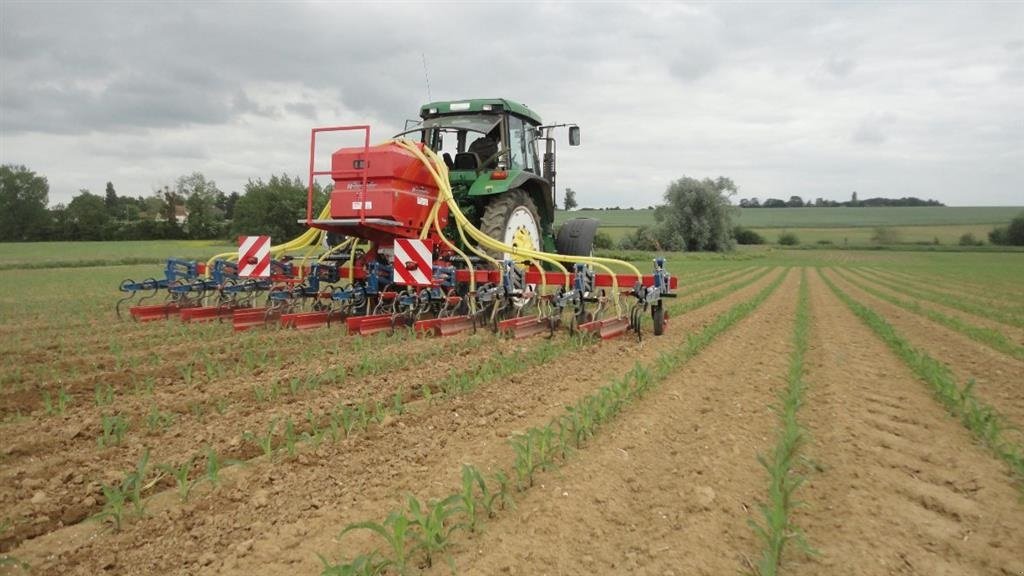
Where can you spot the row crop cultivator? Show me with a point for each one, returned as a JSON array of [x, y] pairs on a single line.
[[440, 235]]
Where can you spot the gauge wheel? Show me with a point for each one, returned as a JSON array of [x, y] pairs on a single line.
[[658, 317]]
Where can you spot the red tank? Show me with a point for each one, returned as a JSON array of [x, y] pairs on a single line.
[[398, 196]]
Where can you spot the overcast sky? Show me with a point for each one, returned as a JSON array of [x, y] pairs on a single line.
[[815, 100]]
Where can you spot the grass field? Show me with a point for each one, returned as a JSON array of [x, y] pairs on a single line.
[[838, 226], [848, 381]]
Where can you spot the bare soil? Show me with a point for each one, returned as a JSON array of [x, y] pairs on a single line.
[[997, 376], [901, 486], [273, 517]]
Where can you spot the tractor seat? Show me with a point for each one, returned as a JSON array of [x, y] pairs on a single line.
[[484, 148], [466, 161]]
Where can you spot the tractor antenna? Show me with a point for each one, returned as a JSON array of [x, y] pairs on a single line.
[[426, 75]]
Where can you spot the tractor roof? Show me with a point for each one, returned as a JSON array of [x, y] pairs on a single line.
[[478, 105]]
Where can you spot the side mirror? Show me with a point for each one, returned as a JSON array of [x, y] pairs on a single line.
[[574, 135]]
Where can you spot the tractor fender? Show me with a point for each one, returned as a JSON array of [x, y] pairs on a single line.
[[576, 237]]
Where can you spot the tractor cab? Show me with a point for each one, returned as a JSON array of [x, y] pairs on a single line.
[[500, 180]]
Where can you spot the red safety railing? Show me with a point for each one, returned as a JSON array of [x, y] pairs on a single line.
[[313, 172]]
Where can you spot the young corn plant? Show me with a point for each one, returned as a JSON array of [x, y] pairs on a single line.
[[180, 474], [395, 530], [432, 519], [264, 442], [158, 420], [214, 465], [103, 394], [113, 429], [467, 501], [114, 499], [290, 437], [371, 564], [135, 482]]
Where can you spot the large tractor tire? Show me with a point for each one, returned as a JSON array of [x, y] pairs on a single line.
[[576, 237], [512, 218]]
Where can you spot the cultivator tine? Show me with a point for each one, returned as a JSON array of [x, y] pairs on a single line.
[[366, 325], [524, 327], [606, 329], [447, 326]]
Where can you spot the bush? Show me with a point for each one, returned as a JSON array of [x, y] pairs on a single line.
[[642, 238], [1012, 235], [602, 241], [746, 236], [788, 239], [886, 236], [825, 242], [968, 239]]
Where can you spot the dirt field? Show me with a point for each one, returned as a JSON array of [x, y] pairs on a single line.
[[316, 431]]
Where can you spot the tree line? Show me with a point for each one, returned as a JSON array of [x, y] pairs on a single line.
[[193, 208], [798, 202]]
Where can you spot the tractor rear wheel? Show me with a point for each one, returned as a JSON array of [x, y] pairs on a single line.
[[512, 218]]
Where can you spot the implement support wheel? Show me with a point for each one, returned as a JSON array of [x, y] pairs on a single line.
[[658, 316]]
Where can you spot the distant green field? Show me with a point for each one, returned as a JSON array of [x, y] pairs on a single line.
[[869, 217], [73, 254], [824, 217], [863, 235]]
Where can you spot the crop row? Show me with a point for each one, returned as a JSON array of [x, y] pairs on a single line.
[[776, 527], [955, 302], [406, 533], [992, 338], [980, 418]]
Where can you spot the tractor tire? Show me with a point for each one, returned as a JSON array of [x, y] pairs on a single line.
[[658, 318], [576, 237], [508, 212]]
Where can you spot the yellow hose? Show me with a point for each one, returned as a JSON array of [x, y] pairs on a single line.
[[430, 159]]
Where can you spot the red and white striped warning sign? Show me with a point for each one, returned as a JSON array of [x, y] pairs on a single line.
[[414, 262], [254, 256]]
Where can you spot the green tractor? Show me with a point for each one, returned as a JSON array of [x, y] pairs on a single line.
[[501, 182]]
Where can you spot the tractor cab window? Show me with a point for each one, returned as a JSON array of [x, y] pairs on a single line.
[[522, 142], [457, 135]]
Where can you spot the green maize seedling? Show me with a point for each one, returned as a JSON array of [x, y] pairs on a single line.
[[103, 394], [113, 430], [113, 507], [432, 519], [264, 442], [363, 565], [214, 465], [180, 474], [395, 531]]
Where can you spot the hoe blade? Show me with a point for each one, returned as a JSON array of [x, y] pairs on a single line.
[[307, 320], [366, 325], [154, 312], [244, 319], [606, 329], [444, 326], [204, 313], [523, 327]]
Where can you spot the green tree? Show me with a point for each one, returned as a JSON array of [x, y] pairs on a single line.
[[569, 202], [696, 216], [204, 218], [274, 208], [23, 199], [86, 217]]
